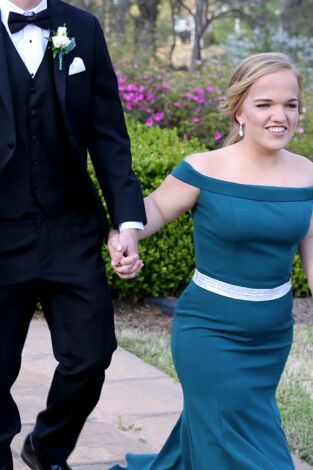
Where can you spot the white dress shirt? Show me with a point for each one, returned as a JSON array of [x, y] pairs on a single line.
[[31, 43]]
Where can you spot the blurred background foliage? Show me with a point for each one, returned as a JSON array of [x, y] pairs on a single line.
[[189, 34]]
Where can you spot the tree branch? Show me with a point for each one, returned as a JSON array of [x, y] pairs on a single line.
[[227, 14], [186, 7]]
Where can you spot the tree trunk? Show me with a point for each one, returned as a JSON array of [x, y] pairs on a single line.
[[149, 10], [123, 7], [200, 21], [292, 16], [174, 11]]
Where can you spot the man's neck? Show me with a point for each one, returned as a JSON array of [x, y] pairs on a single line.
[[26, 4]]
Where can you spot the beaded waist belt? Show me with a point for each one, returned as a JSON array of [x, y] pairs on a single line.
[[238, 292]]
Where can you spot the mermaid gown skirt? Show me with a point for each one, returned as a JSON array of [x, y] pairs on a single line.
[[229, 354]]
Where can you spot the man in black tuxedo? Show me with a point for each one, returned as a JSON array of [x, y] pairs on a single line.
[[52, 222]]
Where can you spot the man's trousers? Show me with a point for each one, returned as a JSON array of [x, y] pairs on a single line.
[[57, 261]]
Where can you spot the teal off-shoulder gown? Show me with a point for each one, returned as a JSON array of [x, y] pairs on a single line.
[[229, 354]]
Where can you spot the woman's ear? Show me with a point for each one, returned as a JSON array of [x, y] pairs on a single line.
[[238, 117]]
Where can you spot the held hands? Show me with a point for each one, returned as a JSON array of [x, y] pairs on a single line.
[[123, 249]]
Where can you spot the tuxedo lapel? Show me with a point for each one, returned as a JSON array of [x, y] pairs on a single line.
[[60, 81], [58, 19], [61, 18], [5, 89]]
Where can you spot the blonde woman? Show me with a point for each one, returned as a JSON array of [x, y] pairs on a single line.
[[232, 331]]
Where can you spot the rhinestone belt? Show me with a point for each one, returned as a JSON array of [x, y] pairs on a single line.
[[238, 292]]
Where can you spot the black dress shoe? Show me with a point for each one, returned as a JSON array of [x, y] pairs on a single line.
[[32, 460]]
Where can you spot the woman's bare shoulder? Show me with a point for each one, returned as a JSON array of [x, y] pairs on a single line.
[[205, 162], [301, 159], [302, 166]]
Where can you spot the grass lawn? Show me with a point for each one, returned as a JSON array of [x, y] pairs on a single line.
[[295, 392]]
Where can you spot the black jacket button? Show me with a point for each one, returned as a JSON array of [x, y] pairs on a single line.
[[11, 144]]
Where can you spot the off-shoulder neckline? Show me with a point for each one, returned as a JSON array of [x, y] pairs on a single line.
[[247, 185]]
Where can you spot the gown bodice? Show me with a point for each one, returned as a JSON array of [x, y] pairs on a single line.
[[246, 234]]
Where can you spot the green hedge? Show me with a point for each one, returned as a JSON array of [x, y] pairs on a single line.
[[299, 281], [168, 255]]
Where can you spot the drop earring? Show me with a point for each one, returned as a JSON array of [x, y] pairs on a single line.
[[240, 129]]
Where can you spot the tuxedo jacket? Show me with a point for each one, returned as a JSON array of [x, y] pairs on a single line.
[[91, 111]]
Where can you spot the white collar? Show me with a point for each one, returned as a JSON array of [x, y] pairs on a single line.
[[6, 6]]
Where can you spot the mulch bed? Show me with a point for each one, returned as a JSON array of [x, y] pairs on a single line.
[[145, 316], [303, 311]]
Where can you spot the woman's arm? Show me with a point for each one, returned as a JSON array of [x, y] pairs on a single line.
[[306, 254], [166, 203]]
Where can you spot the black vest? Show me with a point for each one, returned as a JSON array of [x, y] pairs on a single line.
[[42, 174]]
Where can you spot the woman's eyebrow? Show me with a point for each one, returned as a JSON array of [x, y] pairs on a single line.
[[269, 99]]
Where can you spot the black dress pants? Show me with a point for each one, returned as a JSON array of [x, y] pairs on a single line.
[[56, 260]]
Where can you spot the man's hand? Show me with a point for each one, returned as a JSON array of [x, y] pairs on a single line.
[[123, 249]]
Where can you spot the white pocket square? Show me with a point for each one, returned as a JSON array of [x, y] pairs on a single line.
[[77, 66]]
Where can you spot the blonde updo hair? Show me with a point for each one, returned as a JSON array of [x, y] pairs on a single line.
[[247, 73]]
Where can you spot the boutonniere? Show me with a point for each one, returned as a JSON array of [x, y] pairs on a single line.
[[61, 43]]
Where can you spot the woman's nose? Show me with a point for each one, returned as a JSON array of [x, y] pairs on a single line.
[[279, 114]]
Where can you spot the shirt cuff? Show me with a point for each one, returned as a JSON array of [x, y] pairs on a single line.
[[126, 225]]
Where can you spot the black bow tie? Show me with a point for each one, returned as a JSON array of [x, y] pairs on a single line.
[[16, 22]]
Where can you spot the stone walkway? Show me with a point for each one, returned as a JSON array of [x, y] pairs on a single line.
[[137, 409]]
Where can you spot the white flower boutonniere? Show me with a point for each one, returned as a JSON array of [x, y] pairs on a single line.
[[61, 43]]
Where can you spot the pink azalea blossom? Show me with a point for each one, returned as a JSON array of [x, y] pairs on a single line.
[[199, 91], [166, 85], [158, 117], [196, 119], [139, 97], [129, 96], [132, 87], [188, 95], [217, 136], [186, 136], [146, 110], [149, 122], [200, 99], [300, 130], [210, 89], [150, 97], [121, 78]]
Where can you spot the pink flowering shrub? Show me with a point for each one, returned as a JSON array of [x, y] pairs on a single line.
[[192, 109], [195, 114]]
